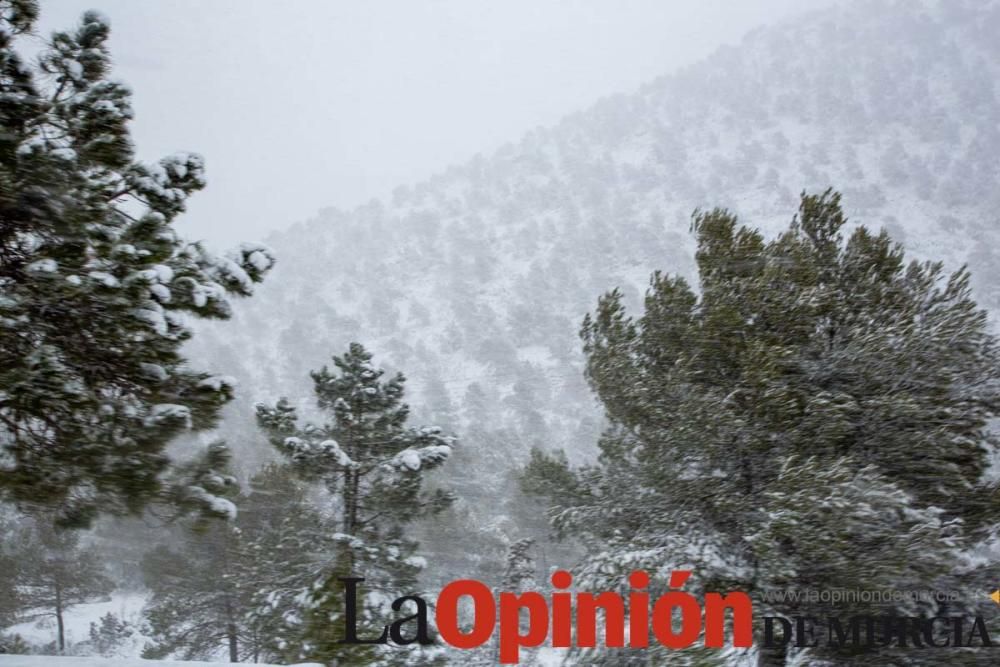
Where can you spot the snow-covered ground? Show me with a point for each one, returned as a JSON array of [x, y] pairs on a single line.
[[127, 606]]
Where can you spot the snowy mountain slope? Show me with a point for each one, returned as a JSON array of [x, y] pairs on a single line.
[[474, 283]]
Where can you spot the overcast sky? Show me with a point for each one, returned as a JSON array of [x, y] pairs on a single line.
[[303, 104]]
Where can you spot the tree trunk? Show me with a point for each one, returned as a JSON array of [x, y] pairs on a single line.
[[62, 632], [231, 632], [356, 481], [352, 479], [349, 502], [59, 619], [234, 653]]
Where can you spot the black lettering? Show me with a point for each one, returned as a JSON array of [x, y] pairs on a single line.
[[396, 630], [351, 615], [928, 632], [837, 637], [805, 631], [979, 627], [786, 633], [892, 626]]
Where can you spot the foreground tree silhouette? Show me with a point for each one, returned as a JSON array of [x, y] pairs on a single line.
[[815, 418], [373, 467], [94, 284]]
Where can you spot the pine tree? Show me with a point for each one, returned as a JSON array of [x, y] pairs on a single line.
[[13, 645], [285, 540], [233, 585], [108, 636], [816, 417], [519, 571], [197, 605], [55, 573], [95, 284], [372, 466]]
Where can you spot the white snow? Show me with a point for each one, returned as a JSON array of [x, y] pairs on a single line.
[[260, 259], [43, 266], [223, 506], [218, 382], [408, 458], [155, 371], [153, 315], [161, 292], [64, 153], [104, 278], [332, 449], [168, 411], [416, 561], [414, 459], [106, 106], [217, 504], [229, 268], [75, 69], [163, 273], [127, 606]]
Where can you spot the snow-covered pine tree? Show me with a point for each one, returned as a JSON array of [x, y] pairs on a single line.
[[198, 604], [95, 284], [14, 645], [373, 466], [519, 572], [56, 572], [108, 636], [816, 417], [233, 587], [285, 540]]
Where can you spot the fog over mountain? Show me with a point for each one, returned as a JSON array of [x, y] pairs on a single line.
[[362, 96], [474, 283]]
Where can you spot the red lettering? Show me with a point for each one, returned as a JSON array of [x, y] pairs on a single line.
[[715, 619], [511, 639], [638, 611], [562, 611], [485, 615], [586, 619]]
